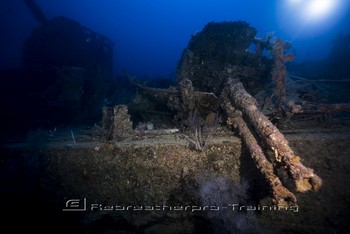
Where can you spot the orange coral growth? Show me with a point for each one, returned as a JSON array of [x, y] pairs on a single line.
[[295, 159], [279, 71], [288, 58], [303, 185]]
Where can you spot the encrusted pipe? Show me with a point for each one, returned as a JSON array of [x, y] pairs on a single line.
[[303, 177], [281, 195]]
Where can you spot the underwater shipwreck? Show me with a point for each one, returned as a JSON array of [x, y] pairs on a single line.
[[240, 142]]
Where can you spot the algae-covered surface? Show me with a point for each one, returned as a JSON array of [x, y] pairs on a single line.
[[156, 183]]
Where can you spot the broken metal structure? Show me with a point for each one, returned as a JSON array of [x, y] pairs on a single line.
[[71, 65], [218, 74]]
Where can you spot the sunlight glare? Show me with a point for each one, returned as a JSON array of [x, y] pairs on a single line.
[[317, 9]]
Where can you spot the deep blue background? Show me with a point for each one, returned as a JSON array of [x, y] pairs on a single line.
[[150, 35]]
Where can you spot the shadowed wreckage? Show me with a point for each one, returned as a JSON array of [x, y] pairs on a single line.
[[183, 143]]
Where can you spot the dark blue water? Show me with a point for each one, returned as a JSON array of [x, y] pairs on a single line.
[[150, 36], [62, 61]]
